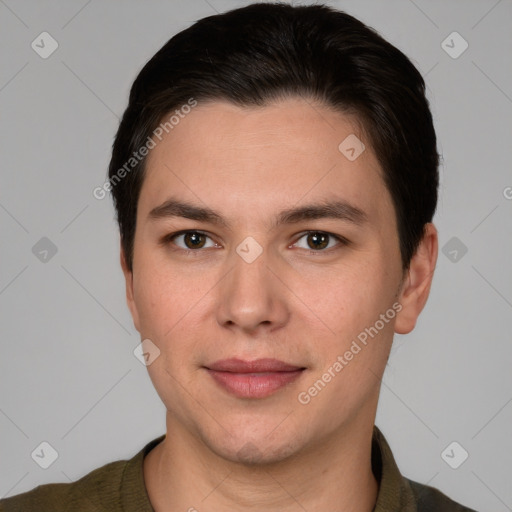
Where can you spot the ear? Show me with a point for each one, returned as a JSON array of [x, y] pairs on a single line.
[[128, 276], [416, 284]]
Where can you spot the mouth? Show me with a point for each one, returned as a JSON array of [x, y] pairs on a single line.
[[253, 379]]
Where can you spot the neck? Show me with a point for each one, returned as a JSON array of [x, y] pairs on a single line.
[[182, 473]]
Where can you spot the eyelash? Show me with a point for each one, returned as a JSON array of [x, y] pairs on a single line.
[[341, 240]]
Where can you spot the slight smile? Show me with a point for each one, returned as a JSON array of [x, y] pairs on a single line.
[[253, 379]]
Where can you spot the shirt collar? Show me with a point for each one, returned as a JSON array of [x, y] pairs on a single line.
[[394, 492]]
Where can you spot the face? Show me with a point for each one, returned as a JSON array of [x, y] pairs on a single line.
[[262, 257]]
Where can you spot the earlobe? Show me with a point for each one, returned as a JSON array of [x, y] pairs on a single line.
[[130, 298], [416, 286]]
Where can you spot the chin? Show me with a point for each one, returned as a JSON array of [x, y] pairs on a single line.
[[252, 454], [252, 448]]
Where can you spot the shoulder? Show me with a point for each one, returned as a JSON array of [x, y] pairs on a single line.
[[97, 491], [428, 499], [115, 487]]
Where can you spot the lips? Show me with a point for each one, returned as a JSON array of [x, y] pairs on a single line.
[[253, 379], [257, 366]]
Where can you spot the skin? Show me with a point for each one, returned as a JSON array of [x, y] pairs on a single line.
[[295, 302]]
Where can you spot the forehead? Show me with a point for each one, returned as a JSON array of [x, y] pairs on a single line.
[[257, 157]]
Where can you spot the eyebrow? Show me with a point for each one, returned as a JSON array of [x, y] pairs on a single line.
[[337, 209]]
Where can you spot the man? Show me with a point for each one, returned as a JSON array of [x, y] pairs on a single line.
[[275, 178]]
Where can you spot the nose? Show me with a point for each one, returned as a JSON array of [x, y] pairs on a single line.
[[252, 296]]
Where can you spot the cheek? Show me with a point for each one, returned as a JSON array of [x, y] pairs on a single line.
[[348, 299], [352, 361], [162, 308], [357, 347], [162, 297], [168, 306], [172, 303]]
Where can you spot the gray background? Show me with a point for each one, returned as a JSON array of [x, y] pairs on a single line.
[[67, 369]]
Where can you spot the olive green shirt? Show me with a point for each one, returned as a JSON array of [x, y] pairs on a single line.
[[119, 487]]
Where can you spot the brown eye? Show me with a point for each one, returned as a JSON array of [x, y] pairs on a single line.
[[317, 240], [190, 240], [194, 240]]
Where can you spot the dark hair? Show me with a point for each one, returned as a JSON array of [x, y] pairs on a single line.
[[263, 52]]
